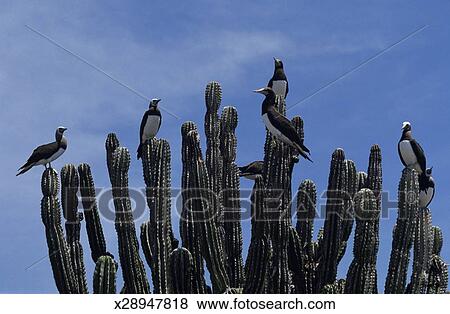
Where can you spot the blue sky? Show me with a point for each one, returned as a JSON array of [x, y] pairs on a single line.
[[170, 50]]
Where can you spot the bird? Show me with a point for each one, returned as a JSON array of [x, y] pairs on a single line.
[[45, 154], [278, 125], [410, 152], [426, 188], [279, 82], [252, 170], [150, 124]]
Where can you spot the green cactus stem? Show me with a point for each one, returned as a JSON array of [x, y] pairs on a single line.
[[58, 250], [438, 270], [94, 228], [333, 232], [336, 287], [105, 275], [190, 229], [156, 234], [306, 210], [403, 234], [230, 198], [180, 271], [260, 249], [203, 210], [422, 251], [362, 180], [111, 144], [213, 160], [69, 189], [362, 275], [133, 270]]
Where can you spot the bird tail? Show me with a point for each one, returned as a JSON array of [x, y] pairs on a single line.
[[139, 151], [24, 169], [302, 152]]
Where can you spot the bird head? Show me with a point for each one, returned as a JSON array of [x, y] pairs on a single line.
[[265, 91], [154, 102], [59, 133], [406, 126], [429, 171], [278, 63]]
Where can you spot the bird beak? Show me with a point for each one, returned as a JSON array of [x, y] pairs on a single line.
[[259, 91], [158, 100], [274, 59], [64, 129]]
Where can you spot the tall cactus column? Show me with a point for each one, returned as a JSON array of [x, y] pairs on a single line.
[[361, 276], [203, 210], [438, 272], [58, 249], [156, 234], [69, 189], [230, 198], [133, 270], [190, 229], [213, 98], [403, 234]]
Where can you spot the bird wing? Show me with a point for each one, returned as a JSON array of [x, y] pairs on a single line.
[[255, 167], [285, 126], [141, 130], [43, 152], [418, 151]]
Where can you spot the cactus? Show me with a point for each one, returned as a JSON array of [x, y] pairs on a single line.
[[203, 210], [69, 189], [156, 234], [230, 198], [105, 275], [94, 228], [213, 161], [280, 258], [180, 271], [260, 249], [332, 232], [403, 234], [133, 271], [58, 249], [362, 275], [438, 269], [190, 229]]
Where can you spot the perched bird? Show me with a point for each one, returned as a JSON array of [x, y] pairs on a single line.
[[426, 188], [279, 82], [151, 121], [252, 170], [410, 152], [46, 153], [278, 125]]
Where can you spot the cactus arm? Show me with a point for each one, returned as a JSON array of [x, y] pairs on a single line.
[[361, 276], [180, 271], [69, 189], [94, 228], [57, 246], [156, 234], [230, 198], [133, 270], [105, 275], [403, 232]]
